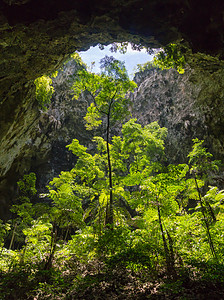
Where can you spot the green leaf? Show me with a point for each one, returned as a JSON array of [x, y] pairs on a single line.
[[44, 90]]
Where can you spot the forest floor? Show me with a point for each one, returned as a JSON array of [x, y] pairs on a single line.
[[128, 286], [115, 284]]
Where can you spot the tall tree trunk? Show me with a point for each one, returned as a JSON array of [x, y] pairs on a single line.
[[171, 255], [48, 263], [169, 264], [211, 245], [13, 236], [66, 233], [109, 211]]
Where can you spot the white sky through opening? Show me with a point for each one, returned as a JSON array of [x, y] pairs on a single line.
[[131, 57]]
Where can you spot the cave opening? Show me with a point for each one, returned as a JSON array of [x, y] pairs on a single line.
[[131, 57]]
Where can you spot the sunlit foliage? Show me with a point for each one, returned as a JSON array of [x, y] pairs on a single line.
[[170, 57], [44, 90], [63, 243]]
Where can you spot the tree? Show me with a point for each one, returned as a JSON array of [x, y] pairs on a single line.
[[201, 168], [44, 90], [23, 209], [158, 200], [133, 156], [109, 92], [171, 57]]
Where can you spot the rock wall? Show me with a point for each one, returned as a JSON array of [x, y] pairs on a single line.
[[189, 105], [36, 139]]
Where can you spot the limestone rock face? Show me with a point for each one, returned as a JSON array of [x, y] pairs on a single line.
[[189, 105], [36, 139]]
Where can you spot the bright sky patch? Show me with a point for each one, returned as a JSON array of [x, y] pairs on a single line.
[[131, 57]]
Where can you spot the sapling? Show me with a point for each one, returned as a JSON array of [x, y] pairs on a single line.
[[201, 168]]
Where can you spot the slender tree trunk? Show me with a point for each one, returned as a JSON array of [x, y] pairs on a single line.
[[169, 264], [212, 248], [100, 222], [48, 263], [23, 254], [171, 254], [13, 236], [109, 211], [66, 233]]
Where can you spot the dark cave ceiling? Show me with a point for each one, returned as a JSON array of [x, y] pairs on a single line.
[[36, 35]]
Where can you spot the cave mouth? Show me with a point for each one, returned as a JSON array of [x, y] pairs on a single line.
[[37, 36]]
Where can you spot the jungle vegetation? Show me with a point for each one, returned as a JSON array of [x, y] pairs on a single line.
[[119, 223]]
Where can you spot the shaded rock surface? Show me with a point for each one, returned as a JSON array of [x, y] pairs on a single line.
[[189, 105], [36, 140]]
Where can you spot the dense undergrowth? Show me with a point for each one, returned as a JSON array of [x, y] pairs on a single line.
[[118, 225]]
